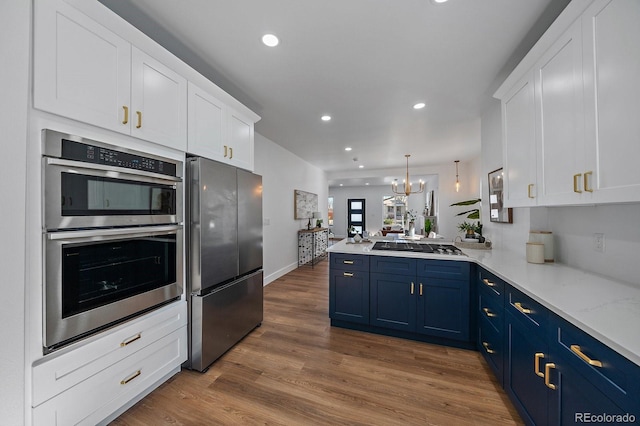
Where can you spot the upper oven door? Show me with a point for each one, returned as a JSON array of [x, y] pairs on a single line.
[[79, 195]]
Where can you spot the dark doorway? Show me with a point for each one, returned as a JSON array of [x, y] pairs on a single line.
[[355, 216]]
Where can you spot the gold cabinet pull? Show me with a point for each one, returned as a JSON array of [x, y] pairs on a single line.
[[575, 183], [487, 348], [420, 289], [348, 262], [130, 378], [576, 350], [519, 307], [536, 364], [547, 380], [529, 188], [126, 114], [226, 151], [489, 283], [139, 114], [488, 312], [131, 340], [230, 153], [347, 274], [587, 188], [412, 287]]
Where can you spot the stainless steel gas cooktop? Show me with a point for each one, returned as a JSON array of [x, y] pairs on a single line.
[[418, 247]]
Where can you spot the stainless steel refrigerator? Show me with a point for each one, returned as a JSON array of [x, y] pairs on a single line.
[[224, 256]]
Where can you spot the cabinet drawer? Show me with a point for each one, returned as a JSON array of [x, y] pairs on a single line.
[[607, 370], [447, 269], [76, 363], [491, 346], [351, 262], [526, 309], [490, 308], [94, 399], [393, 265], [491, 282]]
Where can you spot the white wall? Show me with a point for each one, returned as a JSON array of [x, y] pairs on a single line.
[[282, 173], [447, 219], [14, 49], [573, 227]]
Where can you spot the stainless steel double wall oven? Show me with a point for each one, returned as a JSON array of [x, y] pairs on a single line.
[[112, 235]]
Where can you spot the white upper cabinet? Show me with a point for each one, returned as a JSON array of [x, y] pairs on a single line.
[[612, 92], [85, 72], [587, 109], [519, 148], [560, 120], [241, 140], [219, 132], [158, 101]]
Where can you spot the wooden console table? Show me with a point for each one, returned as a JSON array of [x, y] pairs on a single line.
[[312, 246]]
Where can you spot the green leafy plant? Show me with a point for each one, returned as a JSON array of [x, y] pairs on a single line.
[[468, 227]]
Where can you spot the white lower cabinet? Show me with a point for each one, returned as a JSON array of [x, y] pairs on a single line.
[[88, 383]]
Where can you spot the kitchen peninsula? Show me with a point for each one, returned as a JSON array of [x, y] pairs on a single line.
[[559, 340]]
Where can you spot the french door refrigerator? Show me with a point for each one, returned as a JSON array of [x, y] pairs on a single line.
[[224, 256]]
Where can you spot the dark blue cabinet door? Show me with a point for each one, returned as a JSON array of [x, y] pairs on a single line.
[[576, 400], [393, 303], [443, 308], [524, 386], [349, 296]]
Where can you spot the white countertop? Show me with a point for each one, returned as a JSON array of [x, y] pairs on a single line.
[[607, 309]]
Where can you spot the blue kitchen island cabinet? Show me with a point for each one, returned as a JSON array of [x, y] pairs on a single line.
[[424, 296], [349, 288]]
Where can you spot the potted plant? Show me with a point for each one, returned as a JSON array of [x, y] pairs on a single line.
[[470, 229]]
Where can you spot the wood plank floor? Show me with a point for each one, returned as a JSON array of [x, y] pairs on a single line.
[[298, 370]]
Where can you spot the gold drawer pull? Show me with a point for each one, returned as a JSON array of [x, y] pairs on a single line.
[[348, 262], [547, 380], [576, 350], [347, 274], [529, 188], [488, 312], [575, 183], [126, 114], [586, 181], [486, 348], [133, 376], [131, 340], [519, 307], [139, 114], [489, 283], [536, 364], [412, 287], [420, 289], [226, 151], [230, 153]]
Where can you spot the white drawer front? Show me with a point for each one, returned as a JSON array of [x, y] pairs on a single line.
[[81, 361], [94, 399]]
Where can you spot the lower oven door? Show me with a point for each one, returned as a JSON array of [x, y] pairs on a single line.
[[96, 278]]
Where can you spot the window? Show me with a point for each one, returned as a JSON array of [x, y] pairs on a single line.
[[394, 209], [355, 215]]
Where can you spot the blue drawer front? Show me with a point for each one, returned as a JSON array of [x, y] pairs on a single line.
[[393, 265], [350, 262]]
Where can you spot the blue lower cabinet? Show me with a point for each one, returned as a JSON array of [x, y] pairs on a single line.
[[526, 360], [349, 296], [443, 308], [393, 301]]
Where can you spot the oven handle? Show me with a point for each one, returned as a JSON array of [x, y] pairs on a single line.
[[119, 170], [99, 234]]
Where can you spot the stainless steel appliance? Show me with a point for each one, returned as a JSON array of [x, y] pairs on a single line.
[[418, 247], [224, 275], [112, 244]]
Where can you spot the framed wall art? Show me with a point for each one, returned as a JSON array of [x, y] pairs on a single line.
[[305, 204], [497, 212]]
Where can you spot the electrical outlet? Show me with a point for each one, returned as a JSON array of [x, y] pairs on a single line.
[[598, 242]]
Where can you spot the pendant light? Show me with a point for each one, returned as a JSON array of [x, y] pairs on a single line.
[[457, 180], [407, 184]]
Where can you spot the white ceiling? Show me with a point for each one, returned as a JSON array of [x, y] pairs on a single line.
[[364, 62]]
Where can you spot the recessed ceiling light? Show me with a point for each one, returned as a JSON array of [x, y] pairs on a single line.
[[361, 166], [419, 105], [341, 184], [325, 118], [348, 148], [439, 1], [270, 40], [367, 183]]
